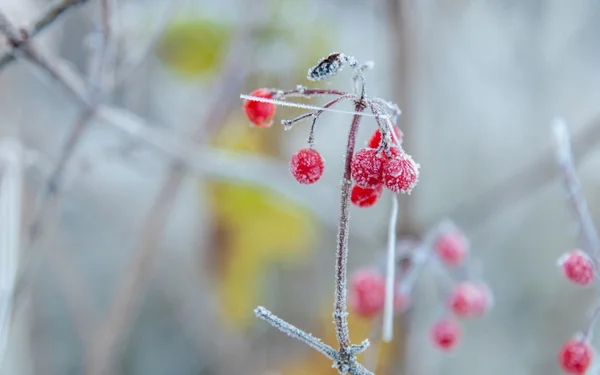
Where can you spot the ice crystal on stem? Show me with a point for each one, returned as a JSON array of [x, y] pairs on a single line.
[[388, 150]]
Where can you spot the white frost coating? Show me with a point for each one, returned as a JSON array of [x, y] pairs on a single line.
[[306, 106], [388, 309]]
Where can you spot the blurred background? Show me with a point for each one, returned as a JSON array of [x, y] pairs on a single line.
[[122, 259]]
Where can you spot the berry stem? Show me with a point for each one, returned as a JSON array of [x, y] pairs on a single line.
[[340, 313], [564, 157], [587, 331]]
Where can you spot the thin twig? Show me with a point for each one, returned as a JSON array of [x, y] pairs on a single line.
[[388, 309], [564, 157], [46, 19]]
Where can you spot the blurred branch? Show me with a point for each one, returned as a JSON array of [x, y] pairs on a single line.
[[564, 158], [523, 183], [112, 333], [45, 20]]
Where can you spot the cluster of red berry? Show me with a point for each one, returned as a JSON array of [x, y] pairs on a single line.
[[576, 354], [466, 299], [372, 167]]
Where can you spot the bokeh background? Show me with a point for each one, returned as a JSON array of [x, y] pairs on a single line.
[[145, 267]]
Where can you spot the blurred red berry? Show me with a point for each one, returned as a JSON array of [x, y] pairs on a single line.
[[401, 174], [307, 166], [469, 300], [451, 248], [445, 334], [362, 197], [575, 357], [259, 113], [577, 267], [375, 139], [367, 292], [367, 168]]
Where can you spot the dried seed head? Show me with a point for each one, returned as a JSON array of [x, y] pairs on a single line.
[[327, 67]]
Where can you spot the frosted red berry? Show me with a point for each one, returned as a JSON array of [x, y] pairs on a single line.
[[401, 173], [451, 248], [362, 197], [469, 300], [260, 113], [307, 166], [367, 292], [575, 357], [445, 334], [367, 168], [577, 267], [375, 139]]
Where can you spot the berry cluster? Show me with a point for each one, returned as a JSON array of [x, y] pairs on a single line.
[[464, 298]]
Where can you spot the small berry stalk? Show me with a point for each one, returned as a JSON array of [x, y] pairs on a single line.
[[578, 266], [383, 163]]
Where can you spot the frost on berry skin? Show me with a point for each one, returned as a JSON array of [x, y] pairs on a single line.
[[375, 140], [577, 267], [451, 248], [401, 173], [259, 113], [367, 293], [367, 168], [307, 166], [469, 300], [575, 357], [362, 197], [445, 334]]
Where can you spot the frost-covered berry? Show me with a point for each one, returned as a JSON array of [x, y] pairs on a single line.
[[307, 166], [362, 197], [575, 357], [401, 173], [451, 248], [260, 113], [468, 300], [367, 168], [445, 334], [577, 267], [375, 139], [367, 292]]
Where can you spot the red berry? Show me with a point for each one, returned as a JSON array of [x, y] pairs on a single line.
[[445, 334], [367, 292], [575, 357], [362, 197], [367, 168], [577, 267], [260, 113], [375, 140], [452, 248], [307, 166], [469, 300], [401, 174]]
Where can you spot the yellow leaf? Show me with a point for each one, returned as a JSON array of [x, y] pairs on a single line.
[[193, 47], [260, 229]]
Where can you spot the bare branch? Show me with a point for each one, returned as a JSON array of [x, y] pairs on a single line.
[[564, 157]]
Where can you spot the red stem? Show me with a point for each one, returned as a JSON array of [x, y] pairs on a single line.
[[340, 313]]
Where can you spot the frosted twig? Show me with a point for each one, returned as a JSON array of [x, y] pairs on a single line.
[[388, 310], [304, 106], [587, 332], [315, 115], [292, 331], [564, 157]]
